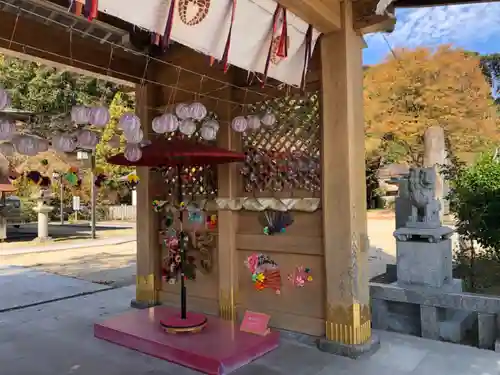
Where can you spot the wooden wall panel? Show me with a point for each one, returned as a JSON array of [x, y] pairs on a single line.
[[297, 309]]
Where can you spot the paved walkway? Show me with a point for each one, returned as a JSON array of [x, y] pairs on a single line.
[[51, 246], [57, 339]]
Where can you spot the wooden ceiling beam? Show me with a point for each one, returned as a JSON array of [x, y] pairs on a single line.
[[21, 34], [324, 15]]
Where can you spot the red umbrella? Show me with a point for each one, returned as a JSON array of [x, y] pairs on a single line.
[[180, 153], [175, 152]]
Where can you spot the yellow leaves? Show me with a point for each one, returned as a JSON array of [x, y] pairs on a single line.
[[423, 88]]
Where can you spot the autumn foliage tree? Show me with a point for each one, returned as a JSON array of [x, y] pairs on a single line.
[[415, 89]]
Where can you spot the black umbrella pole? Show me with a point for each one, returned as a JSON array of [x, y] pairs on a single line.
[[182, 250]]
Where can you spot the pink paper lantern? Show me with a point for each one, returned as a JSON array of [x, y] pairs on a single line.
[[129, 123], [239, 124], [269, 119], [182, 111], [132, 152], [197, 111], [253, 122], [99, 116], [80, 114], [4, 99], [7, 130]]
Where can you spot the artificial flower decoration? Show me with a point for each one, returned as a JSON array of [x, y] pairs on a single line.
[[300, 276], [265, 272], [133, 179], [211, 221]]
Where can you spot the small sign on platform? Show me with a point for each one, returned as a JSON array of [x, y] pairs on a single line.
[[256, 323], [76, 203]]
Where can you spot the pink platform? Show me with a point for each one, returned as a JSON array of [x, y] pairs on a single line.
[[219, 349]]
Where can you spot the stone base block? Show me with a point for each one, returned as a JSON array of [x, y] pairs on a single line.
[[424, 263], [487, 331], [351, 351], [456, 324], [142, 305]]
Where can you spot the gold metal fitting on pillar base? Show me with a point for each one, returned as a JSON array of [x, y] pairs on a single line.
[[146, 293], [227, 306], [348, 331]]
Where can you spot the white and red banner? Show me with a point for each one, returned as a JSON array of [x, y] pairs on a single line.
[[203, 25]]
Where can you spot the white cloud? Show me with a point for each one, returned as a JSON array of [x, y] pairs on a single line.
[[460, 25]]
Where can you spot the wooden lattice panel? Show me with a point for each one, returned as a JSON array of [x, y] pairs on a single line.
[[286, 157]]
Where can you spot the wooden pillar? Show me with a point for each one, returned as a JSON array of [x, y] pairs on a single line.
[[227, 220], [343, 188], [148, 254]]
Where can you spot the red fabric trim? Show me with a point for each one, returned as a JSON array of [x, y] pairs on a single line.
[[225, 56], [273, 31], [168, 26]]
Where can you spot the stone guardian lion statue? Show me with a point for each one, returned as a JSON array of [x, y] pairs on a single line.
[[425, 206]]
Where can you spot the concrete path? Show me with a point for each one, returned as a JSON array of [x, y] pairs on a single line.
[[113, 265], [51, 246], [21, 287], [57, 339]]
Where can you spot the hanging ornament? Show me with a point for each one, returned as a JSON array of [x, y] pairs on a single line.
[[7, 130], [265, 272], [87, 139], [64, 143], [134, 137], [129, 123], [99, 116], [25, 145], [80, 114], [187, 127], [114, 142], [197, 111], [166, 123], [211, 221], [268, 119], [4, 99], [209, 130], [239, 124], [133, 152], [300, 276], [195, 215], [253, 122], [133, 180], [275, 221], [7, 149], [182, 111]]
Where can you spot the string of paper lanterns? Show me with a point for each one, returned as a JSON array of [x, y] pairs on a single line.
[[253, 122]]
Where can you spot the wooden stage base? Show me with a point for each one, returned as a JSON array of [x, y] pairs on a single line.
[[217, 350]]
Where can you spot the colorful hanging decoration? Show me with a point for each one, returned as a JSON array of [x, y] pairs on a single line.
[[265, 272], [133, 180], [278, 47], [171, 268], [195, 214], [90, 9], [158, 205], [307, 56], [71, 176], [275, 222], [36, 178], [211, 221], [300, 276]]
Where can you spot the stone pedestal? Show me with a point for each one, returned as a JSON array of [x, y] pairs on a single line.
[[423, 263], [43, 220]]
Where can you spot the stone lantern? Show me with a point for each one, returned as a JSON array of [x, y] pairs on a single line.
[[43, 209]]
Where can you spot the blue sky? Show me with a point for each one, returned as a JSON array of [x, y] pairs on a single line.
[[473, 27]]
